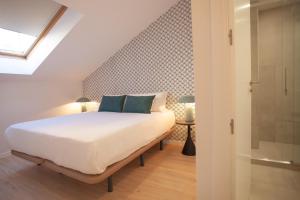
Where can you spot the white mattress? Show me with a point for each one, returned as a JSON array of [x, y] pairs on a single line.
[[88, 142]]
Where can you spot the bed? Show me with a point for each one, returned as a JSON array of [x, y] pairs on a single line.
[[90, 146]]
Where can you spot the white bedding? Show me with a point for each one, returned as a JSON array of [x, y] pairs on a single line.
[[88, 142]]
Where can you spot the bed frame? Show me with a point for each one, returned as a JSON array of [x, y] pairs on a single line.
[[107, 174]]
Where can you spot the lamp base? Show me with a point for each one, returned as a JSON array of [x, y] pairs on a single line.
[[189, 117], [83, 108], [189, 120], [189, 114]]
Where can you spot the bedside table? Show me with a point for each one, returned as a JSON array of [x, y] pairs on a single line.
[[189, 148]]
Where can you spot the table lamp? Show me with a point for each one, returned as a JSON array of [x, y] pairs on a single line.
[[83, 101], [189, 102]]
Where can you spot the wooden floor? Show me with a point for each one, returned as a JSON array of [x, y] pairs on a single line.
[[166, 175]]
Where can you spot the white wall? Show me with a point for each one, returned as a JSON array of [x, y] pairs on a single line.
[[27, 99]]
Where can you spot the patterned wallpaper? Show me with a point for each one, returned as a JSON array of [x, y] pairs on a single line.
[[158, 59]]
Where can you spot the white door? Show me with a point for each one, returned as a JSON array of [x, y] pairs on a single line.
[[214, 84], [222, 93]]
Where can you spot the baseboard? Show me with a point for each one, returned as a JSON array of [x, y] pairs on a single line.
[[5, 154]]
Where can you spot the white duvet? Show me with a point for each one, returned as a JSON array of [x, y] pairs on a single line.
[[88, 142]]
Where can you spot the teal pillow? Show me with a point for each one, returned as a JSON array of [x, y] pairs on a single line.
[[112, 104], [138, 104]]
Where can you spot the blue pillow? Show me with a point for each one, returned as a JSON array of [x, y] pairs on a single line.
[[112, 104], [138, 104]]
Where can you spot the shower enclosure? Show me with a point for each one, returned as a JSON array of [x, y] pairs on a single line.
[[275, 85]]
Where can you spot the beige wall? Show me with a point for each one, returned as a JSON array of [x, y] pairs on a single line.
[[26, 99]]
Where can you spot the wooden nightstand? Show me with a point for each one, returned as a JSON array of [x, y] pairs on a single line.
[[189, 148]]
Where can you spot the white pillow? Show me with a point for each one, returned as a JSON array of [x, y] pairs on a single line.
[[159, 102]]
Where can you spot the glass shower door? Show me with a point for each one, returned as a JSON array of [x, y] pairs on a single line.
[[275, 37], [296, 77]]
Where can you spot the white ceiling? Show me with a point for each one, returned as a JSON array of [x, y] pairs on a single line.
[[107, 25]]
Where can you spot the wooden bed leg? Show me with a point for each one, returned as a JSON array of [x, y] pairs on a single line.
[[161, 145], [109, 184], [142, 160]]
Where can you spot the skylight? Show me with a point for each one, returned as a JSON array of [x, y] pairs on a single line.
[[29, 31], [23, 24], [15, 43]]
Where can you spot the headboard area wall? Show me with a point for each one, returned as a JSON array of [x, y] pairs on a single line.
[[158, 59]]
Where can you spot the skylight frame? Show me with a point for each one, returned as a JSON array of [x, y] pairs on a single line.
[[42, 35]]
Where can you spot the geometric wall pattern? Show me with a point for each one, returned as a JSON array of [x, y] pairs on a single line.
[[160, 58]]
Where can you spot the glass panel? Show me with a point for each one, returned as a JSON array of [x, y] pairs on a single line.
[[13, 42], [296, 114], [242, 45], [275, 103], [274, 79], [275, 134]]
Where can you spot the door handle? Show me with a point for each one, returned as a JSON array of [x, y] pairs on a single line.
[[254, 82], [285, 82], [251, 83]]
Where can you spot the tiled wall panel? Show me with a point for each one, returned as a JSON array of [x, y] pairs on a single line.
[[158, 59]]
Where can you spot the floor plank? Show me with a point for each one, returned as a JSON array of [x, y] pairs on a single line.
[[166, 175]]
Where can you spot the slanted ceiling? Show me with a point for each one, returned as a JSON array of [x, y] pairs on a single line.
[[106, 26]]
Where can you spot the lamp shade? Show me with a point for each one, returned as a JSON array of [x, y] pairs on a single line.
[[83, 100], [187, 99]]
